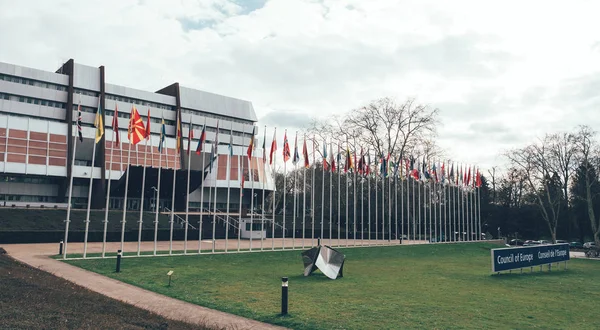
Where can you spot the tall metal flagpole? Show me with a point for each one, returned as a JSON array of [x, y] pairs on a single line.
[[177, 147], [304, 156], [362, 200], [354, 192], [369, 192], [330, 194], [242, 179], [284, 191], [264, 179], [376, 204], [187, 189], [110, 162], [161, 146], [229, 189], [389, 207], [68, 220], [479, 208], [323, 189], [383, 178], [420, 207], [295, 191], [339, 197], [199, 151], [214, 222], [273, 149], [396, 200], [312, 193], [87, 216], [251, 176], [139, 247], [123, 220]]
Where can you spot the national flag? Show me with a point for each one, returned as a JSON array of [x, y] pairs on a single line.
[[434, 172], [273, 146], [190, 137], [201, 141], [148, 131], [214, 151], [333, 164], [383, 168], [360, 166], [230, 146], [115, 126], [99, 123], [443, 173], [468, 177], [286, 148], [478, 179], [264, 147], [348, 166], [163, 134], [136, 131], [296, 157], [305, 154], [251, 146], [325, 165], [79, 129], [368, 168], [414, 168], [178, 131]]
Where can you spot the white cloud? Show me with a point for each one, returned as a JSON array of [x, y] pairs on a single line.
[[527, 67]]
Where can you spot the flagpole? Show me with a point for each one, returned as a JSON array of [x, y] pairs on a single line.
[[339, 196], [304, 155], [273, 149], [173, 194], [284, 193], [214, 222], [369, 193], [110, 162], [187, 189], [330, 195], [139, 247], [264, 179], [396, 200], [389, 206], [346, 177], [362, 200], [229, 190], [157, 201], [251, 177], [202, 144], [295, 192], [242, 180], [383, 178], [312, 193], [68, 220], [89, 204], [354, 191], [479, 206], [123, 219]]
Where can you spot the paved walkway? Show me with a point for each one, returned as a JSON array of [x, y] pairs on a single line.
[[37, 255]]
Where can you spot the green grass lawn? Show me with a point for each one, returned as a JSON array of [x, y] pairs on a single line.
[[400, 287]]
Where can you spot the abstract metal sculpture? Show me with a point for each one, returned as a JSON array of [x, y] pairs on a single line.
[[329, 261]]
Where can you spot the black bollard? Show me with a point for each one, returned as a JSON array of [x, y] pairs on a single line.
[[60, 247], [318, 241], [118, 261], [284, 296]]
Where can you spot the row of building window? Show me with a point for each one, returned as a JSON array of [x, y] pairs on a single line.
[[27, 198], [215, 116], [32, 100], [139, 102], [85, 92], [26, 179], [32, 82]]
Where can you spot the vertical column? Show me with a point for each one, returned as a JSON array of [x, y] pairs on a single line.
[[68, 68]]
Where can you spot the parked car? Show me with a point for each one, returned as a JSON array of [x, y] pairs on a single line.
[[544, 242], [531, 243], [589, 245], [515, 242], [575, 245], [560, 241]]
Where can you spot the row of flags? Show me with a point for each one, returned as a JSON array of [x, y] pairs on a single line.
[[388, 166]]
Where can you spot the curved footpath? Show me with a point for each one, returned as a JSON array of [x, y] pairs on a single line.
[[38, 256]]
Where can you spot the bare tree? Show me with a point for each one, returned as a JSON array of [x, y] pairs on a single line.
[[546, 163], [385, 126], [492, 173], [589, 156]]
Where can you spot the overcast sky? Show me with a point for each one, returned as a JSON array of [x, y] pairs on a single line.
[[501, 72]]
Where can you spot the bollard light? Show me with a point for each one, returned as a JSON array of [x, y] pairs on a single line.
[[60, 247], [119, 254], [170, 273], [284, 296]]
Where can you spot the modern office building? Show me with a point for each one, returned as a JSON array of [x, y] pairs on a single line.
[[38, 133]]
